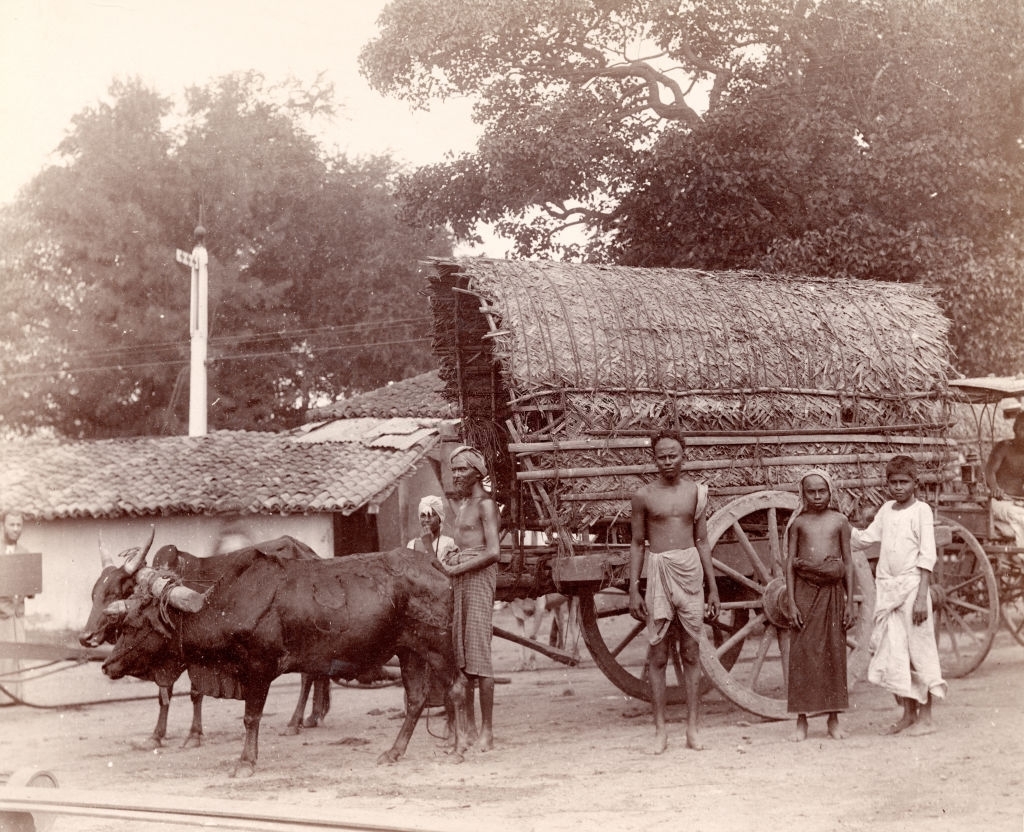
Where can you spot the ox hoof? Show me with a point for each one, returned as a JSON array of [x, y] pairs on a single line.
[[312, 722], [148, 744], [193, 741], [389, 757], [290, 731], [244, 770]]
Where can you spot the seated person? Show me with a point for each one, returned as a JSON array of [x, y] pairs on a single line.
[[1004, 475]]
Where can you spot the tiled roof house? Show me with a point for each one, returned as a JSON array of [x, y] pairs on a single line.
[[345, 483]]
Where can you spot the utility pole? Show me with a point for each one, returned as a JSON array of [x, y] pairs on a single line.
[[198, 330]]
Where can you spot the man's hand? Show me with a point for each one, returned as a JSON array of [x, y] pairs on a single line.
[[997, 492], [795, 615], [637, 607], [848, 617], [920, 613], [714, 604]]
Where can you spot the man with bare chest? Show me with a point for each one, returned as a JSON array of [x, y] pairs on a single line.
[[474, 573], [1004, 475], [818, 570], [669, 525]]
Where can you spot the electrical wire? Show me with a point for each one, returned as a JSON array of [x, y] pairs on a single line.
[[212, 360], [256, 337]]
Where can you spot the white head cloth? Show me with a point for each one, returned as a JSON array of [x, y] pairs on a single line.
[[833, 503], [474, 458], [434, 504]]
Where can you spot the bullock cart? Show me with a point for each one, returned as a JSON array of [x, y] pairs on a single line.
[[563, 372], [991, 546]]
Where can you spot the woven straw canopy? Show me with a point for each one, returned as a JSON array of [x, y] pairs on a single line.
[[573, 350]]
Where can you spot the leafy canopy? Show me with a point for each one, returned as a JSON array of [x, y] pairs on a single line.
[[852, 138], [307, 260]]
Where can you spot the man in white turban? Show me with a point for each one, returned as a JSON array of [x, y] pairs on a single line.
[[431, 540]]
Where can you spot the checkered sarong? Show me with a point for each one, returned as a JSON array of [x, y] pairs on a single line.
[[474, 610]]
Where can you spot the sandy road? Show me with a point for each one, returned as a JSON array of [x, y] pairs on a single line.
[[572, 754]]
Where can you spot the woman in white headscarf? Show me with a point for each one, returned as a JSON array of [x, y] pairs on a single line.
[[431, 540]]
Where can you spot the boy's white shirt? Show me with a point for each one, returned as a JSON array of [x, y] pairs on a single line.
[[907, 538]]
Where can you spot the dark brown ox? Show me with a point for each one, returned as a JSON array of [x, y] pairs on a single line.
[[117, 583], [267, 615]]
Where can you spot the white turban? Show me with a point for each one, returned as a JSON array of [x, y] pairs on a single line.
[[430, 503]]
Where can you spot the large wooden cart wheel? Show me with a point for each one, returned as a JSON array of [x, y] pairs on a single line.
[[1010, 575], [965, 602], [746, 550], [618, 644]]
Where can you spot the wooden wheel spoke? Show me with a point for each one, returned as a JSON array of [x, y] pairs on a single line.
[[969, 580], [966, 605], [774, 541], [632, 634], [952, 637], [739, 635], [738, 576], [751, 552], [955, 617], [762, 651]]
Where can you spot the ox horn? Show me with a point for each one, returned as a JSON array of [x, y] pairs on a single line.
[[116, 609], [106, 559], [138, 557], [185, 599]]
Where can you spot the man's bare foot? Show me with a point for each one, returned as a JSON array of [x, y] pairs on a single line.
[[691, 740], [834, 730], [660, 741], [905, 722], [800, 734], [921, 728], [486, 741]]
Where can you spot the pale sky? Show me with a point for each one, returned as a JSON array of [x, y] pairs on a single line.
[[59, 56]]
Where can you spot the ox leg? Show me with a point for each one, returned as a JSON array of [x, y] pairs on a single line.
[[416, 679], [156, 739], [321, 701], [295, 723], [255, 699], [195, 731]]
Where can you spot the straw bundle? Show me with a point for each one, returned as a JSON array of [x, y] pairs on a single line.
[[556, 351]]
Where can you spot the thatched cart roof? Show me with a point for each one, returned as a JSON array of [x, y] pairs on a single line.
[[592, 350]]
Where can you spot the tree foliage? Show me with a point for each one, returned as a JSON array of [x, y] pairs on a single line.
[[307, 258], [851, 138]]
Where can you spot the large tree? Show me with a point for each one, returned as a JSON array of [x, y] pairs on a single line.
[[851, 138], [308, 260]]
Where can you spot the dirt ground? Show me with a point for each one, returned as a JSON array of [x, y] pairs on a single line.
[[572, 753]]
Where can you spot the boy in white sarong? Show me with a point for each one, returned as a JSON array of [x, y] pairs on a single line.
[[905, 659], [669, 514]]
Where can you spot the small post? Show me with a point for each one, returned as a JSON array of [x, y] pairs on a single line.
[[198, 331]]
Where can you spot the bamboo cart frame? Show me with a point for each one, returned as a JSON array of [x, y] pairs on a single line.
[[563, 372]]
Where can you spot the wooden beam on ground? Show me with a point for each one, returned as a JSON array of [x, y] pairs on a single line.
[[130, 805]]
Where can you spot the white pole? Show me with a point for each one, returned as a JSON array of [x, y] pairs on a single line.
[[198, 330]]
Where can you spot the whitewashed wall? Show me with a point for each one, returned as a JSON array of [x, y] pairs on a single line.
[[71, 559]]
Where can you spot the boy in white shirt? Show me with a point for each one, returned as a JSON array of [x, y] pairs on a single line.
[[905, 658]]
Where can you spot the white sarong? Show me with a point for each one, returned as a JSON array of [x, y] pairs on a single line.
[[904, 657], [675, 589]]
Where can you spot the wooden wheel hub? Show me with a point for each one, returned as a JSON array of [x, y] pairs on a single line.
[[776, 603]]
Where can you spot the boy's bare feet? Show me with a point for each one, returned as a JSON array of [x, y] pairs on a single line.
[[921, 728], [800, 734], [485, 741], [692, 741], [905, 722], [660, 740], [834, 730]]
